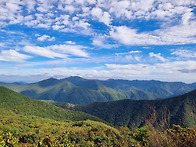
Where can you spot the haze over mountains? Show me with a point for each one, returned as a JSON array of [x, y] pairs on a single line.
[[77, 90]]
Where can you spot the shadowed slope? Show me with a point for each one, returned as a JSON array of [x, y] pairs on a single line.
[[131, 113]]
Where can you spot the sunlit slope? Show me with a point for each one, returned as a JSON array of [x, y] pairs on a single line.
[[19, 104]]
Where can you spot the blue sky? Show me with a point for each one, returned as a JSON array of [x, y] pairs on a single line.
[[99, 39]]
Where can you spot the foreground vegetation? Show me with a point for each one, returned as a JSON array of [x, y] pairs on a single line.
[[19, 130]]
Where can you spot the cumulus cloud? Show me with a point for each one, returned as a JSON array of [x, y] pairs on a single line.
[[12, 55], [129, 36], [179, 34], [77, 16], [30, 4], [46, 38], [101, 16]]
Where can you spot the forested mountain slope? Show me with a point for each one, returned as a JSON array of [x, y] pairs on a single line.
[[179, 110], [13, 102]]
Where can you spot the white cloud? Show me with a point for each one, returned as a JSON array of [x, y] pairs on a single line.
[[75, 50], [41, 51], [30, 4], [149, 9], [2, 44], [168, 71], [57, 51], [179, 34], [101, 41], [186, 18], [46, 38], [133, 52], [157, 56], [12, 55], [129, 36], [78, 16], [70, 42], [185, 53], [13, 6], [101, 16], [57, 27], [43, 25], [121, 9], [82, 24], [45, 5], [159, 71]]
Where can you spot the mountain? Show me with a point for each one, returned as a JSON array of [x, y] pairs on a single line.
[[159, 89], [28, 122], [193, 85], [65, 91], [78, 90], [162, 89], [179, 110], [14, 102]]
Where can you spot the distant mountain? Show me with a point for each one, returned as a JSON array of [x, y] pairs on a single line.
[[161, 89], [193, 85], [78, 90], [179, 110], [11, 101], [158, 88]]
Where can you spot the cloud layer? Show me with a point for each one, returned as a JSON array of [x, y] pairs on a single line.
[[133, 39], [176, 16]]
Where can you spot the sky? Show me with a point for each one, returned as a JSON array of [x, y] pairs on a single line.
[[98, 39]]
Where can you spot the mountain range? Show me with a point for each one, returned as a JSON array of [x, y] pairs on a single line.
[[77, 90], [180, 110]]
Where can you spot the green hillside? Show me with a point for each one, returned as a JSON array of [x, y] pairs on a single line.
[[179, 110], [28, 122], [19, 104]]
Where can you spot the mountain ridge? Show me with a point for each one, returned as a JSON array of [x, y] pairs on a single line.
[[78, 90], [179, 110]]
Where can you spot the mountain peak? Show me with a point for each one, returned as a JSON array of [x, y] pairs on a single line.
[[48, 82], [74, 79]]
